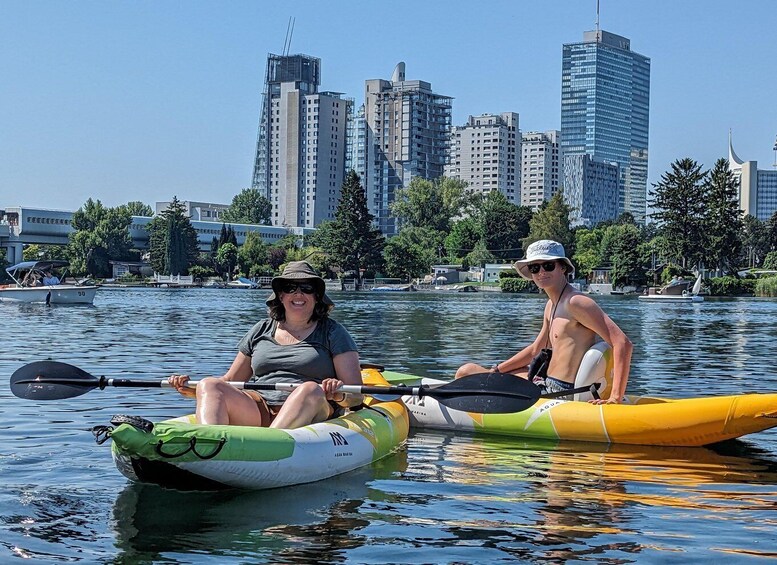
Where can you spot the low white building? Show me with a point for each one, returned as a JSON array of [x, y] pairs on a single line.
[[492, 271]]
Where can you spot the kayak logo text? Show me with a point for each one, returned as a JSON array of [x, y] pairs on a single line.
[[338, 439]]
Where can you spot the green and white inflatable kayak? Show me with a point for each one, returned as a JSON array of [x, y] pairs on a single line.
[[181, 454]]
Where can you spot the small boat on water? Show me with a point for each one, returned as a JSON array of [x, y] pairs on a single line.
[[181, 454], [242, 282], [402, 288], [676, 291], [42, 281], [639, 420]]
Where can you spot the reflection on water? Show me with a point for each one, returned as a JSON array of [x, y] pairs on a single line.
[[446, 498], [305, 523], [533, 499]]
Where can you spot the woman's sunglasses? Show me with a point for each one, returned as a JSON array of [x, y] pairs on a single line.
[[291, 288], [548, 266]]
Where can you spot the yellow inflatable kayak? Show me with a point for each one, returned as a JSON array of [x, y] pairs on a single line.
[[638, 420]]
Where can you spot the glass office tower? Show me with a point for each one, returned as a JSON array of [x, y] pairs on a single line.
[[605, 95]]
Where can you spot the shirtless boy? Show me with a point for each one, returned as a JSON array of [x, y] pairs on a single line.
[[570, 326]]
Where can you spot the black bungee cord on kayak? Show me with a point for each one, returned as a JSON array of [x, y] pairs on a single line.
[[192, 447], [103, 433]]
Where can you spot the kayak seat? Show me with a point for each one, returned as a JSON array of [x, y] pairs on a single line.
[[596, 367]]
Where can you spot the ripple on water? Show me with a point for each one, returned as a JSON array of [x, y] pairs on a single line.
[[445, 498]]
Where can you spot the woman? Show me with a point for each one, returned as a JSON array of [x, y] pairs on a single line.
[[297, 343]]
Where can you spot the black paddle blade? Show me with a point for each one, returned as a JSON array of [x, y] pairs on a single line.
[[51, 380], [487, 393]]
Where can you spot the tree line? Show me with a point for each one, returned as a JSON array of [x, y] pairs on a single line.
[[696, 224]]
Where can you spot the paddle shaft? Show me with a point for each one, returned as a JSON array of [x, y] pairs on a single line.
[[420, 391], [485, 393]]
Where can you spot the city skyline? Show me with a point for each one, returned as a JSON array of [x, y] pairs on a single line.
[[142, 101]]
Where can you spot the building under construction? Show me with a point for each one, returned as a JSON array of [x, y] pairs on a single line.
[[301, 144]]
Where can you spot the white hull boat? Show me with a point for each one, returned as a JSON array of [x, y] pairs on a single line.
[[675, 293], [676, 298], [28, 287]]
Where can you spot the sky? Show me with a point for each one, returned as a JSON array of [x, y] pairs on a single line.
[[122, 100]]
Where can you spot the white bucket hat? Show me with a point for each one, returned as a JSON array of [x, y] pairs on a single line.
[[542, 250]]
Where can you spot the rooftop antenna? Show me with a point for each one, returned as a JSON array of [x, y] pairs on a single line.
[[598, 30], [289, 34]]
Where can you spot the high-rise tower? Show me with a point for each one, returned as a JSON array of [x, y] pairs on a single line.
[[486, 154], [301, 145], [407, 130], [605, 95], [539, 167]]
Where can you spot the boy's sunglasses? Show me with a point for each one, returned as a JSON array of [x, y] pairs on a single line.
[[305, 288], [548, 266]]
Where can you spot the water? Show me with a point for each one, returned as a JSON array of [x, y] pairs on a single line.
[[444, 498]]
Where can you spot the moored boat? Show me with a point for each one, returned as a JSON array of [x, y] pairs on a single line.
[[242, 282], [34, 281], [675, 292], [401, 288], [179, 453]]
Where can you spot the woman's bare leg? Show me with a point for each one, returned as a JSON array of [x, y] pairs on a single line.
[[218, 402], [306, 405]]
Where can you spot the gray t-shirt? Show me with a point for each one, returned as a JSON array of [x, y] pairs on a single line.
[[308, 360]]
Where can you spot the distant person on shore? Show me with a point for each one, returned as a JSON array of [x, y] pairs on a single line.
[[297, 343], [571, 323]]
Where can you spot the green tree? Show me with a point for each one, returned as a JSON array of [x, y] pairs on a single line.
[[351, 240], [463, 237], [138, 208], [4, 277], [35, 252], [227, 235], [431, 204], [552, 222], [770, 261], [100, 234], [173, 245], [754, 240], [318, 258], [252, 255], [587, 250], [626, 257], [679, 204], [723, 222], [276, 256], [412, 252], [226, 258], [505, 225], [249, 207], [480, 255], [770, 233]]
